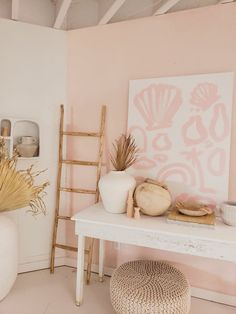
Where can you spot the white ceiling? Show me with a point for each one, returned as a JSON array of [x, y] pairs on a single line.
[[73, 14]]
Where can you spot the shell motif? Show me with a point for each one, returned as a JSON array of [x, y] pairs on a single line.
[[204, 95], [158, 104]]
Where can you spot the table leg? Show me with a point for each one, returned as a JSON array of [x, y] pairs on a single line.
[[80, 270], [101, 259]]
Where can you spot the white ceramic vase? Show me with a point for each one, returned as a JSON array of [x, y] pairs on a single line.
[[114, 188], [8, 254]]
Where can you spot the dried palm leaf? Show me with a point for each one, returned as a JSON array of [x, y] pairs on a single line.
[[125, 152], [17, 187]]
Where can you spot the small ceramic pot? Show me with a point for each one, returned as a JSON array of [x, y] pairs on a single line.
[[27, 146], [228, 213], [27, 150]]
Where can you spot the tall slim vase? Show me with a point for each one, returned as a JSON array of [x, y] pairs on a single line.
[[8, 254], [114, 188]]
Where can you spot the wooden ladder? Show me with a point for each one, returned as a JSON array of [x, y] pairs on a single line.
[[59, 188]]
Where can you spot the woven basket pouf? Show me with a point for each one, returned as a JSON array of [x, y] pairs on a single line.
[[149, 287]]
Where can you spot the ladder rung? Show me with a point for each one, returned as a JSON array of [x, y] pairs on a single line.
[[64, 217], [82, 191], [66, 247], [80, 163], [69, 248], [91, 134]]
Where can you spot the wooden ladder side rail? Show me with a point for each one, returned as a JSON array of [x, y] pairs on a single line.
[[57, 205], [99, 169], [59, 189]]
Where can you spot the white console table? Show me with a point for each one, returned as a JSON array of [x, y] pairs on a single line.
[[152, 232]]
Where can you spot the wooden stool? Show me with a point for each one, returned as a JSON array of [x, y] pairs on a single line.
[[149, 287]]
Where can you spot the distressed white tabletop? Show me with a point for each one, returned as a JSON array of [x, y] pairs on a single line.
[[156, 232], [152, 232]]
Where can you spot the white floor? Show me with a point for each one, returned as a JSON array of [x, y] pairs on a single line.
[[41, 293]]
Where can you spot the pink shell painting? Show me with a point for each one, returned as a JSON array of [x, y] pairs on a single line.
[[158, 104], [182, 127], [204, 95]]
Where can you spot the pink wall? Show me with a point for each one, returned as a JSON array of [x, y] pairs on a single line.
[[103, 59]]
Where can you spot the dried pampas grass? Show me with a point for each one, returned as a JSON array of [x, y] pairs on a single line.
[[17, 187], [125, 152]]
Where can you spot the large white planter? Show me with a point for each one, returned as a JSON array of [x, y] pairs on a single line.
[[8, 254], [114, 188]]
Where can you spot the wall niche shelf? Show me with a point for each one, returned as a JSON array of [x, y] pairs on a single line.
[[21, 135]]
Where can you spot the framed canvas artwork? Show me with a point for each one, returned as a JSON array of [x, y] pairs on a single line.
[[182, 126]]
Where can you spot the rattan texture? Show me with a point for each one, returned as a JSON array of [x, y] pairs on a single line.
[[149, 287]]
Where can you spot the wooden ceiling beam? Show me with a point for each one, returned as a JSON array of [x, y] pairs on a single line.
[[15, 9], [166, 6], [111, 12], [65, 4]]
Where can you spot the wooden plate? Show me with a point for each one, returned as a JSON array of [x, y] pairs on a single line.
[[195, 213]]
